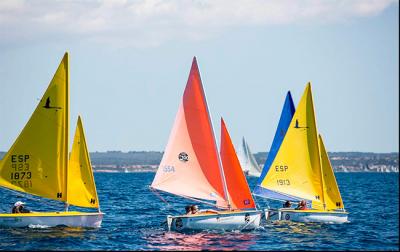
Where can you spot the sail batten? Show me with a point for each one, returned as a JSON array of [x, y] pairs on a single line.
[[190, 164]]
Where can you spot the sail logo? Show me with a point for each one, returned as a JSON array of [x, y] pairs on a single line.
[[296, 126], [47, 105], [246, 202], [183, 156]]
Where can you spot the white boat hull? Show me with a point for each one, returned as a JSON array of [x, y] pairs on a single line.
[[52, 219], [306, 216], [224, 220]]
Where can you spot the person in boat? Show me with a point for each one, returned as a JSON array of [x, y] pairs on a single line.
[[287, 204], [302, 205], [195, 210], [188, 209], [19, 208]]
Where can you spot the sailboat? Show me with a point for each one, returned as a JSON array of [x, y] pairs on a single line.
[[298, 168], [247, 160], [192, 168], [38, 162]]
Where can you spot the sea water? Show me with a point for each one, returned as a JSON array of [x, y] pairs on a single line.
[[134, 219]]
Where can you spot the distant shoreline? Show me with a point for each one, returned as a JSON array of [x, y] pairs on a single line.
[[148, 161]]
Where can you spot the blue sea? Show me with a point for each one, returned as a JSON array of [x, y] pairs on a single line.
[[134, 217]]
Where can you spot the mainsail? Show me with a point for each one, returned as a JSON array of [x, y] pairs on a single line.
[[239, 192], [296, 168], [283, 125], [190, 166], [247, 160], [37, 161], [81, 186]]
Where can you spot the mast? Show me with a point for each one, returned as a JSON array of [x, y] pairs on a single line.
[[226, 196], [319, 152], [322, 176], [66, 126]]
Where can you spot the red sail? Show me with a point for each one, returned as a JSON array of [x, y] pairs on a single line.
[[190, 165], [239, 193]]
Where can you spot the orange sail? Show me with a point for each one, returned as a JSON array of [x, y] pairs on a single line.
[[190, 166], [239, 191]]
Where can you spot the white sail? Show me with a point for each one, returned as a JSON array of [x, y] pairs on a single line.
[[247, 160]]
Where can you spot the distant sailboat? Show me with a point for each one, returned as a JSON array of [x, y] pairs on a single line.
[[298, 168], [38, 163], [247, 160], [192, 168]]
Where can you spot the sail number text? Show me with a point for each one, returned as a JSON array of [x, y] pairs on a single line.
[[283, 182], [281, 168], [169, 168], [21, 175]]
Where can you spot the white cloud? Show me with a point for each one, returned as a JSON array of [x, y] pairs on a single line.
[[152, 22]]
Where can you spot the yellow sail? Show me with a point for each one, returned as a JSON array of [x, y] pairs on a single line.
[[332, 197], [296, 169], [81, 186], [37, 161]]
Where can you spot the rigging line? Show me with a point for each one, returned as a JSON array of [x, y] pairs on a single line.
[[190, 198], [163, 200], [201, 201], [30, 197]]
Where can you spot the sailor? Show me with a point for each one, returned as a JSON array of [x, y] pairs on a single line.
[[194, 209], [19, 208], [287, 204], [302, 205], [188, 209]]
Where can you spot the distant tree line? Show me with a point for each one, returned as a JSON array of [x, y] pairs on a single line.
[[120, 158]]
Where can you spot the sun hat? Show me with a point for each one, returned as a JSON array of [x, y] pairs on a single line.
[[19, 203]]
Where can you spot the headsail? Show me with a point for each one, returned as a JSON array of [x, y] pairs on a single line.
[[283, 125], [239, 192], [37, 161], [190, 165], [332, 197], [81, 185], [247, 160], [296, 169]]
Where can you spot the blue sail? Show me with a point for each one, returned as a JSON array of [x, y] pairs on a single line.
[[283, 125]]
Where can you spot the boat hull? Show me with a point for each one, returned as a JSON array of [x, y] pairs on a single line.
[[306, 216], [224, 220], [52, 219]]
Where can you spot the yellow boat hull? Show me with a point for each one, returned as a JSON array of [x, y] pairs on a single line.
[[52, 219]]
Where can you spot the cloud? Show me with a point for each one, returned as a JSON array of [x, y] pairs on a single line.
[[153, 22]]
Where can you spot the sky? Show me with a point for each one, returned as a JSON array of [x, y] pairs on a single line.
[[130, 60]]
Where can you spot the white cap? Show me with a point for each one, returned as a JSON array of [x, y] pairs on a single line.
[[19, 203]]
